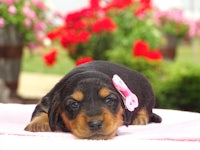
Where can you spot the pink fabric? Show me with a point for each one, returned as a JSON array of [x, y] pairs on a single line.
[[178, 128]]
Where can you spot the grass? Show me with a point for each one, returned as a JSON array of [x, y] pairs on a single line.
[[189, 54], [32, 62]]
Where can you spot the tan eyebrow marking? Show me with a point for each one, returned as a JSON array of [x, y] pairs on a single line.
[[77, 95], [104, 92]]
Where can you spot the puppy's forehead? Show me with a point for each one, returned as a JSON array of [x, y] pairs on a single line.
[[79, 95], [91, 86], [91, 83]]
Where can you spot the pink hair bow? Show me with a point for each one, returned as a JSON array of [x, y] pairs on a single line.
[[130, 99]]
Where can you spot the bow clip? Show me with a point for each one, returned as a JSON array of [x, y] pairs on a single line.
[[130, 99]]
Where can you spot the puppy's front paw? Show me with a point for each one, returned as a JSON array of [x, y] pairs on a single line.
[[38, 127], [39, 124], [141, 118]]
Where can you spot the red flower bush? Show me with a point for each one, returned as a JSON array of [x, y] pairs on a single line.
[[94, 31], [84, 30]]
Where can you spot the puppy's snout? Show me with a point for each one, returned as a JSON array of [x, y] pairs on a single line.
[[95, 125]]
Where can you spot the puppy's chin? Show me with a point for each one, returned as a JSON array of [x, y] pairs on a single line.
[[99, 136]]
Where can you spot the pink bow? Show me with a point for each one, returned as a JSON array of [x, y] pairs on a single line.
[[130, 99]]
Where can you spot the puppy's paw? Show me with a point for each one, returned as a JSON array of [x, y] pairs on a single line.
[[39, 124], [142, 118], [38, 127]]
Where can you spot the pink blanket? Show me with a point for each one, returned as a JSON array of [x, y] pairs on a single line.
[[178, 128]]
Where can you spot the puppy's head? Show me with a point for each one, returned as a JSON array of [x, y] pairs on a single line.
[[88, 106]]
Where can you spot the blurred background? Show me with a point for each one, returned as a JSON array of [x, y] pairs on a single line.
[[41, 41]]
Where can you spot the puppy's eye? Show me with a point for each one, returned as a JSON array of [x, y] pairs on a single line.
[[109, 101], [74, 105], [112, 102]]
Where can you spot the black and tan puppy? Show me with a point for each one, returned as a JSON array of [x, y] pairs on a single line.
[[86, 103]]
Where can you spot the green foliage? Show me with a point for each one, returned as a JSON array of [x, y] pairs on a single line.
[[149, 69], [176, 84], [173, 22], [177, 29], [126, 28], [96, 47], [129, 29], [179, 88], [132, 28]]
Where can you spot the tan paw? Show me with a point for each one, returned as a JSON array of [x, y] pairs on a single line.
[[142, 118], [39, 124]]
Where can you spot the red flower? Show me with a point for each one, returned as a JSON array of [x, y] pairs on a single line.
[[88, 12], [69, 38], [144, 5], [121, 4], [141, 49], [105, 24], [153, 55], [83, 60], [50, 57], [83, 36], [56, 33], [94, 4], [72, 37], [74, 16], [80, 25]]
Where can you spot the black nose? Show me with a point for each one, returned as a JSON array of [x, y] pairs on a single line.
[[95, 125]]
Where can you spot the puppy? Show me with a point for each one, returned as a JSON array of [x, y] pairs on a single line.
[[87, 103]]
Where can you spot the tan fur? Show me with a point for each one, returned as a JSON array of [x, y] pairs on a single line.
[[104, 92], [77, 95], [142, 117], [39, 124]]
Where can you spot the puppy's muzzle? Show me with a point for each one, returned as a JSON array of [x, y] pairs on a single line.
[[95, 125]]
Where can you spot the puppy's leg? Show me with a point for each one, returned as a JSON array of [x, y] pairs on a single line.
[[39, 123], [142, 117]]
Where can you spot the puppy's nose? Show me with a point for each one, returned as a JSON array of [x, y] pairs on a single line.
[[95, 125]]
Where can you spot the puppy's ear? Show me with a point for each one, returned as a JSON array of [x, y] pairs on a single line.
[[54, 113], [128, 115]]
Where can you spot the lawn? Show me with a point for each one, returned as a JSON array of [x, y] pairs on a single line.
[[189, 54], [33, 62]]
